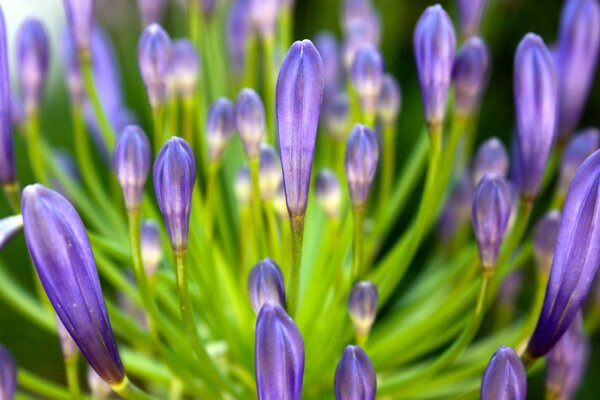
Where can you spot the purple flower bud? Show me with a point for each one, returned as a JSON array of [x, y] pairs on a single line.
[[544, 240], [151, 245], [154, 55], [131, 160], [265, 284], [184, 67], [576, 58], [8, 374], [505, 377], [336, 114], [362, 155], [174, 177], [151, 11], [9, 227], [509, 291], [470, 74], [299, 95], [355, 376], [580, 147], [361, 15], [362, 306], [238, 32], [80, 15], [280, 203], [469, 16], [491, 157], [32, 62], [250, 121], [100, 389], [7, 158], [367, 77], [220, 127], [329, 192], [328, 48], [62, 255], [67, 344], [278, 355], [492, 205], [355, 38], [269, 172], [457, 210], [17, 112], [434, 44], [576, 258], [390, 100], [263, 14], [243, 185], [535, 87]]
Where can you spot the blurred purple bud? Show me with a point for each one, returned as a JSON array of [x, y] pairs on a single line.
[[390, 100], [32, 62], [151, 245], [62, 255], [336, 115], [67, 344], [243, 185], [535, 90], [174, 177], [355, 38], [151, 11], [280, 203], [220, 127], [263, 14], [17, 112], [355, 377], [544, 240], [80, 15], [469, 16], [434, 44], [470, 74], [8, 375], [509, 291], [250, 121], [265, 284], [362, 306], [184, 67], [329, 193], [269, 171], [360, 15], [457, 210], [238, 33], [154, 55], [580, 147], [491, 157], [329, 49], [131, 160], [367, 77], [299, 95], [505, 377], [7, 160], [9, 227], [100, 389], [362, 156]]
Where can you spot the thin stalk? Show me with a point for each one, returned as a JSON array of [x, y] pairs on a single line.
[[389, 159], [158, 116], [32, 127], [358, 217], [189, 121], [211, 197], [257, 207], [40, 386], [72, 373], [129, 391], [297, 225], [269, 82], [12, 193]]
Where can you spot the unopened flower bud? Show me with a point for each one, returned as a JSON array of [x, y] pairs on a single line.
[[184, 68], [131, 160], [80, 14], [265, 284], [154, 57], [250, 120], [469, 16], [355, 377], [580, 147], [505, 377], [152, 250], [362, 306], [243, 185], [220, 127], [470, 75], [491, 157], [151, 11], [269, 172], [329, 192], [367, 76], [263, 14], [362, 156], [390, 100], [8, 375], [32, 62], [336, 114]]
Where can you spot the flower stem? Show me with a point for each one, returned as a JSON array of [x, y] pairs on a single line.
[[358, 268], [257, 207], [36, 160], [72, 373], [269, 82], [129, 391], [387, 171], [13, 196], [297, 224], [158, 116]]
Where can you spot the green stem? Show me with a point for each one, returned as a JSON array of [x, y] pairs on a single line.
[[129, 391], [12, 193], [158, 116], [40, 386], [297, 225], [257, 207], [358, 268], [72, 373], [33, 146], [188, 121], [211, 193], [269, 77], [387, 172]]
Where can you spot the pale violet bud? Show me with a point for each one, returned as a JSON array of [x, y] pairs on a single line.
[[336, 115], [580, 147], [367, 77], [265, 284], [80, 14], [263, 14], [151, 246], [154, 57], [390, 100], [9, 227], [8, 374], [505, 377], [491, 157], [151, 11], [469, 16], [243, 185], [131, 160], [355, 377], [250, 121], [269, 172], [329, 193], [184, 68], [32, 62], [469, 75], [220, 127], [362, 306], [362, 156], [280, 203]]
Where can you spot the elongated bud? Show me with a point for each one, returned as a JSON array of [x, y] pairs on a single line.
[[457, 210], [362, 156], [80, 15], [355, 376], [576, 258], [184, 67], [492, 205], [536, 91], [131, 160], [263, 14], [470, 74], [469, 16], [174, 177], [434, 44], [9, 227], [544, 240], [154, 57], [67, 345], [220, 127], [576, 59], [367, 76], [362, 306], [355, 38], [269, 172], [580, 147], [337, 115], [280, 203], [278, 355], [243, 185], [390, 100], [329, 49], [329, 192], [8, 374], [151, 11], [100, 389], [238, 33], [505, 377], [7, 158], [361, 15], [32, 62], [299, 96], [62, 255], [491, 157], [265, 284], [152, 251], [250, 121]]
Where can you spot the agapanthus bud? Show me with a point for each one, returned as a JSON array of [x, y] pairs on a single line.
[[505, 377], [80, 14], [362, 306], [580, 147], [265, 284], [220, 127], [8, 375], [536, 89], [151, 11], [131, 160], [9, 226], [184, 67], [278, 355], [576, 58], [355, 377], [100, 389], [62, 255], [362, 156], [336, 114], [329, 192], [154, 57], [263, 14], [544, 240], [457, 210], [17, 112], [434, 44], [7, 158], [299, 96], [243, 185], [328, 47], [491, 157], [269, 171], [361, 15], [151, 245], [367, 76], [250, 121], [32, 62], [238, 33], [174, 177], [67, 344], [470, 74], [492, 205], [355, 38], [280, 203], [576, 258], [390, 100], [469, 16]]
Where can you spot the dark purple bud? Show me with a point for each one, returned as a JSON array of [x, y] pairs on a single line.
[[184, 67], [243, 185], [269, 172], [491, 157], [362, 156], [457, 210], [263, 14], [469, 16], [299, 95], [131, 160], [329, 49], [151, 245], [8, 375], [100, 389], [362, 306], [329, 192], [238, 33], [367, 77], [9, 227], [265, 284], [336, 114], [505, 377], [250, 121], [80, 14], [151, 11], [67, 344], [580, 147], [62, 255], [544, 240], [220, 127], [7, 160], [174, 177], [154, 57], [576, 258], [278, 355], [576, 58], [470, 74], [434, 44], [32, 62], [535, 106], [492, 205], [390, 100], [355, 377]]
